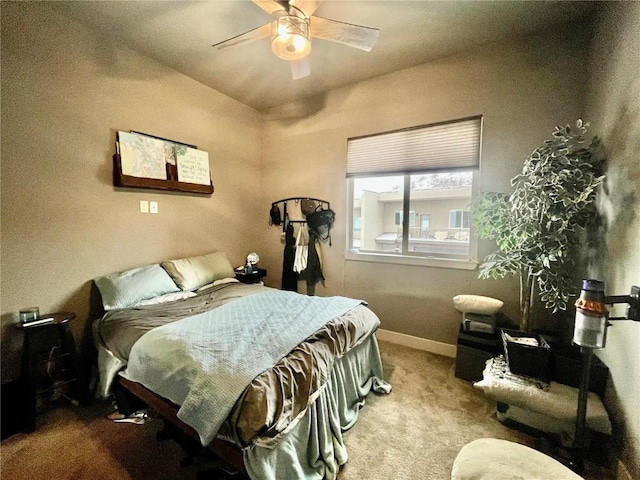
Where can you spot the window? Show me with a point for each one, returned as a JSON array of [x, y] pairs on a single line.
[[399, 215], [459, 218], [411, 189]]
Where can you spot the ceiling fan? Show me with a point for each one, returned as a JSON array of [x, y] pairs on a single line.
[[293, 26]]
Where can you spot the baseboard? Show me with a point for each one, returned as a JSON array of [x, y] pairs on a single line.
[[424, 344]]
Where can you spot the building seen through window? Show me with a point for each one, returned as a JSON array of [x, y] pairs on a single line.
[[439, 222], [411, 190]]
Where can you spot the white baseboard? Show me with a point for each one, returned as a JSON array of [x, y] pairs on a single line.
[[424, 344]]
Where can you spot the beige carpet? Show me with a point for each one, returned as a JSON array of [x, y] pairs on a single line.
[[413, 433]]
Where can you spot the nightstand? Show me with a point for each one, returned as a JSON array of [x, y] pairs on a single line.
[[473, 350], [49, 363], [255, 277]]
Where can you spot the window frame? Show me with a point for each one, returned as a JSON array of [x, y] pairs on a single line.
[[466, 262]]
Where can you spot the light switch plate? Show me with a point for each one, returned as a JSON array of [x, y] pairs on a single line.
[[144, 206], [153, 207]]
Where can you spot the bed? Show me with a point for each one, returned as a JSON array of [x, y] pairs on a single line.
[[268, 379]]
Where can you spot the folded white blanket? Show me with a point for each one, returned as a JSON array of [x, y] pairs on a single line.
[[553, 399]]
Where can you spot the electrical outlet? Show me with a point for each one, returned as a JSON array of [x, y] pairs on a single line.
[[153, 207], [144, 206]]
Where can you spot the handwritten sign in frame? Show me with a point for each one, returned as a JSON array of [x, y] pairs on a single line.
[[192, 165]]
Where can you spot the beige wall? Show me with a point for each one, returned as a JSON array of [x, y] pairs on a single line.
[[614, 110], [65, 93], [522, 89]]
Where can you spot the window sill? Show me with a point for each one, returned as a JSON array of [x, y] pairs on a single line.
[[411, 260]]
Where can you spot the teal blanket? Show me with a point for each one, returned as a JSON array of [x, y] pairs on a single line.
[[203, 363]]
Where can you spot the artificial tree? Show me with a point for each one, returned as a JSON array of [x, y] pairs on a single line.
[[539, 226]]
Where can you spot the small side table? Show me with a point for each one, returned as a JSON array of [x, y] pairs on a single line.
[[472, 352], [50, 330], [254, 277]]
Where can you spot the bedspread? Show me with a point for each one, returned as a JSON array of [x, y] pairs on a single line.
[[118, 330], [204, 362], [277, 398]]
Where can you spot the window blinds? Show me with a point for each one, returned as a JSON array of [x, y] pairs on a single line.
[[440, 146]]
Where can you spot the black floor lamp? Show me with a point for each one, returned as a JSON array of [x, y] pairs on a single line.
[[590, 332]]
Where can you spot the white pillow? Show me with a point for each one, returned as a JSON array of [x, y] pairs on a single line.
[[124, 289], [194, 272], [477, 304]]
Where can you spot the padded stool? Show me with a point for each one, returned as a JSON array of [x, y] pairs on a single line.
[[493, 459]]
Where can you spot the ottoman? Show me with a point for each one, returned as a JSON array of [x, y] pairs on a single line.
[[493, 459]]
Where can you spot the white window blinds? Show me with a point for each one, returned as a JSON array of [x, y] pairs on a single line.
[[441, 146]]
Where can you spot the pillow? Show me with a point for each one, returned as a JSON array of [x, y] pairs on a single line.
[[194, 272], [477, 304], [124, 289]]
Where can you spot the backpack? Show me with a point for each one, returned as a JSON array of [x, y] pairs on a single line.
[[320, 222], [274, 215]]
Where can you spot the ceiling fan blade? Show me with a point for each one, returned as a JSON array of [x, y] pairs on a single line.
[[300, 68], [270, 6], [355, 36], [247, 37], [306, 6]]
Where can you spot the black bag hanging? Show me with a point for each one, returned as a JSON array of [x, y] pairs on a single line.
[[274, 215], [320, 222]]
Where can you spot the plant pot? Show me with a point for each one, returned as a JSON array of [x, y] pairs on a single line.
[[527, 360]]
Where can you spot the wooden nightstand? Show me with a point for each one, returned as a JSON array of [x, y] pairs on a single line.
[[49, 362], [255, 277]]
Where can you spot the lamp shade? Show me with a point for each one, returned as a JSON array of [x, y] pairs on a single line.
[[290, 37]]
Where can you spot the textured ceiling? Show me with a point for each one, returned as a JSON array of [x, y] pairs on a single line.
[[180, 34]]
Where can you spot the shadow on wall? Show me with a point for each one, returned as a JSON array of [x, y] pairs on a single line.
[[111, 62], [616, 204]]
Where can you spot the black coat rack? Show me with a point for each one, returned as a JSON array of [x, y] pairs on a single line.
[[323, 203]]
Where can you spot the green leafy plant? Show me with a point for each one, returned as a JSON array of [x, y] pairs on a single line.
[[539, 226]]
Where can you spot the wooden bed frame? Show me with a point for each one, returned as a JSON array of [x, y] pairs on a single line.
[[228, 452]]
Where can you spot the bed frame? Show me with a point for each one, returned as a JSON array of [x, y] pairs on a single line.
[[226, 451]]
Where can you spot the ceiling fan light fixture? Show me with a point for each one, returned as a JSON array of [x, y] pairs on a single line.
[[290, 37]]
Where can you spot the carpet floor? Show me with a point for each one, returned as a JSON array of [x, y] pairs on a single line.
[[415, 432]]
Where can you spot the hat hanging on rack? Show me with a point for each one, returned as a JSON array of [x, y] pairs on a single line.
[[308, 206]]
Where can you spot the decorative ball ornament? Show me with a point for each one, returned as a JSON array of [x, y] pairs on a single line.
[[253, 258]]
